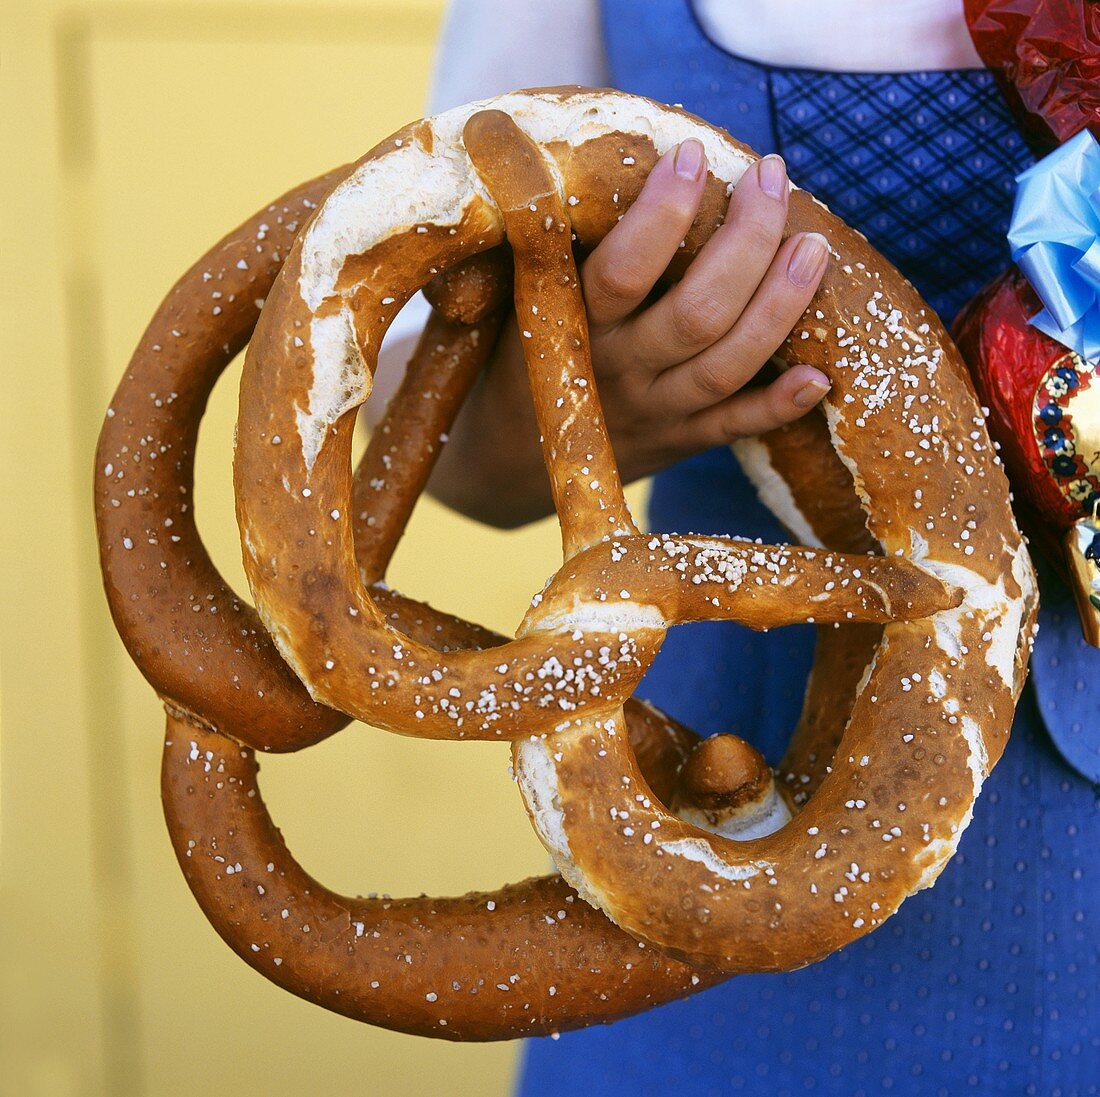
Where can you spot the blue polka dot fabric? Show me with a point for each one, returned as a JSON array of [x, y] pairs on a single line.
[[1065, 672], [988, 981]]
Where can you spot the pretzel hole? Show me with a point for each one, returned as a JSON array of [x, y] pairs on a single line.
[[213, 497], [398, 814], [442, 552]]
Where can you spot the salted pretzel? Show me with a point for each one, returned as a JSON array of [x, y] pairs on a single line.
[[753, 871]]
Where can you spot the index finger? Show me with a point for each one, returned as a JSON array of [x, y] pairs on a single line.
[[624, 267]]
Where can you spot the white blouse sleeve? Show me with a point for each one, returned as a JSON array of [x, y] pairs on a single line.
[[487, 48]]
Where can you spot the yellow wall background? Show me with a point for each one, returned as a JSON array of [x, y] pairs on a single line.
[[134, 134]]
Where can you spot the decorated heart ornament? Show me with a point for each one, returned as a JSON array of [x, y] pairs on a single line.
[[1033, 348], [1043, 401]]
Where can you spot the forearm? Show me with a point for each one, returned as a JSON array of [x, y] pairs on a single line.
[[491, 468]]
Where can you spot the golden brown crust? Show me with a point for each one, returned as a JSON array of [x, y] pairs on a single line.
[[310, 366], [591, 971], [200, 646], [902, 417], [841, 658], [722, 772], [524, 960], [917, 711], [472, 289]]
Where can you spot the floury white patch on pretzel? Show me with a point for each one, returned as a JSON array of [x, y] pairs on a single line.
[[484, 966], [902, 421], [425, 178], [901, 723], [754, 457], [294, 504]]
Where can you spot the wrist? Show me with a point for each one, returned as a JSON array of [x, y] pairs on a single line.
[[491, 469]]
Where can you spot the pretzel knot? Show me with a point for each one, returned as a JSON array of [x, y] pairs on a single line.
[[705, 861]]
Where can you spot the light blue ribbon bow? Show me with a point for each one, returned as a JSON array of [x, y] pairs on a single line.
[[1055, 239]]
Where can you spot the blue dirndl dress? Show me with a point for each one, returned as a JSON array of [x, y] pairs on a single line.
[[988, 981]]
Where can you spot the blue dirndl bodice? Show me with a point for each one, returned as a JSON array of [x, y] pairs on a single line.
[[988, 980]]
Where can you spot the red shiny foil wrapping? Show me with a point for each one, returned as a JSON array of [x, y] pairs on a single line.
[[1009, 361], [1045, 55]]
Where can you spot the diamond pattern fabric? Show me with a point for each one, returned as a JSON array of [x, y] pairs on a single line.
[[918, 161]]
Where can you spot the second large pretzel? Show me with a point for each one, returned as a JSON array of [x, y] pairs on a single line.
[[935, 705]]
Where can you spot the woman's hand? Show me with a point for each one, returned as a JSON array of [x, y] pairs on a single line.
[[671, 371]]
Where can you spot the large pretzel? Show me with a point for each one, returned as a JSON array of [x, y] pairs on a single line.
[[930, 698]]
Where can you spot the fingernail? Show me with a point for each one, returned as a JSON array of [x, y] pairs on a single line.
[[689, 159], [773, 176], [808, 260], [812, 392]]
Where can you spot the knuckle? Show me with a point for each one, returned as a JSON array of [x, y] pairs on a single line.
[[760, 235], [744, 424], [710, 381], [732, 430], [619, 283], [779, 407], [672, 206], [774, 317], [698, 318]]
